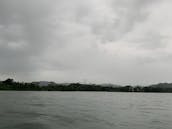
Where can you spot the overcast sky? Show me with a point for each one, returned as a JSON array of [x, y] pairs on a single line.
[[97, 41]]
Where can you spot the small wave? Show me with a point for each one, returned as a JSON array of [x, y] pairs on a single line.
[[29, 126]]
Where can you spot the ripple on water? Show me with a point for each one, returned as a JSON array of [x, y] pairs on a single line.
[[29, 126], [24, 114]]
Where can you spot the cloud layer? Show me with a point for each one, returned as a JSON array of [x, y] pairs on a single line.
[[98, 41]]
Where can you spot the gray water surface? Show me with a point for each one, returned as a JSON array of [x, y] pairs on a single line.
[[85, 110]]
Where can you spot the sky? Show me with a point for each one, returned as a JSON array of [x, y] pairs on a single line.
[[92, 41]]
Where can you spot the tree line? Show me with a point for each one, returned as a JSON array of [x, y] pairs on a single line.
[[10, 84]]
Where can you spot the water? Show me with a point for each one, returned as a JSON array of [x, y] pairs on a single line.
[[85, 110]]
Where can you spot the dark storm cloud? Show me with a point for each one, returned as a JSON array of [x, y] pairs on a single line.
[[116, 41]]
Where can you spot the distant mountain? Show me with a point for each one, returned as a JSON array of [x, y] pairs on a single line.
[[162, 85], [44, 83], [109, 85]]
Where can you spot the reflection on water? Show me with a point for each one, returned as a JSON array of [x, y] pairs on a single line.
[[85, 110]]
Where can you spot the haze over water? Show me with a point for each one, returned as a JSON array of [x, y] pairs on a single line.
[[85, 110]]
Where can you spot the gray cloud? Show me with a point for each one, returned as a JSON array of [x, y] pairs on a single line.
[[114, 41], [23, 34]]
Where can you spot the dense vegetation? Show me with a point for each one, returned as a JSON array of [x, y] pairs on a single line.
[[10, 84]]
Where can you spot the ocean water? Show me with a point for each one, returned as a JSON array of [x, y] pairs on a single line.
[[85, 110]]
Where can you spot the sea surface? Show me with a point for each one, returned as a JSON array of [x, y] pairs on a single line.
[[85, 110]]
